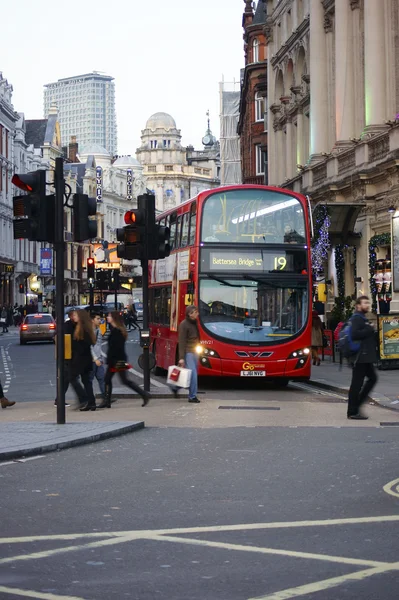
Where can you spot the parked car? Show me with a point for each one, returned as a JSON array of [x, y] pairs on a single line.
[[139, 310], [37, 327]]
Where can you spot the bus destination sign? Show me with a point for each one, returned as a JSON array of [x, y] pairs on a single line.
[[262, 261]]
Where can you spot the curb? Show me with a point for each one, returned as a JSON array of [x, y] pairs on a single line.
[[381, 400], [79, 440]]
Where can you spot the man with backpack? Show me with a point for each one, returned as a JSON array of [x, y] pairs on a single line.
[[359, 343]]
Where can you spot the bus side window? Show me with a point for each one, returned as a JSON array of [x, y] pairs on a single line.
[[178, 232], [193, 224], [157, 305], [184, 230], [173, 220]]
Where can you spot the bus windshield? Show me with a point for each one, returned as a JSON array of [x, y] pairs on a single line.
[[250, 311], [253, 216]]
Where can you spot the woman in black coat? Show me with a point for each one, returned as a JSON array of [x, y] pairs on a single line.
[[117, 360], [82, 361]]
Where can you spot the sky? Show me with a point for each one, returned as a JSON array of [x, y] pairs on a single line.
[[165, 55]]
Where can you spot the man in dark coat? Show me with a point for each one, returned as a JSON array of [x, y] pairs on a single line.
[[363, 361]]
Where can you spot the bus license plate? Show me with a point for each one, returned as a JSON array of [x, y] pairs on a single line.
[[253, 373]]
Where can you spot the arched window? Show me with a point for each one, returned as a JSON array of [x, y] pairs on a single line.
[[259, 107], [255, 50]]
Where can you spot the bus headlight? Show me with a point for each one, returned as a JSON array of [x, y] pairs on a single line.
[[303, 352], [210, 352], [199, 349]]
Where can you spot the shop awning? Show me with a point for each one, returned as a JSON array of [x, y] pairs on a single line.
[[343, 216]]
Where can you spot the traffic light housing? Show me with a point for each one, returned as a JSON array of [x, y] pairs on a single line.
[[113, 279], [133, 236], [34, 212], [21, 288], [91, 268], [159, 243], [84, 227]]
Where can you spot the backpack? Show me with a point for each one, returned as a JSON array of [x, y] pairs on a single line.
[[346, 345]]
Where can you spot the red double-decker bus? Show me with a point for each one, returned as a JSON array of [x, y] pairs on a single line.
[[242, 255]]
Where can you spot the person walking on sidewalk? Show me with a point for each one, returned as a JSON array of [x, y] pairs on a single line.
[[69, 328], [4, 319], [5, 403], [117, 360], [189, 339], [98, 371], [363, 362], [82, 361], [317, 338]]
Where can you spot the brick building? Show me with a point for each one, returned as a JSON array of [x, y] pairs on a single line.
[[252, 125]]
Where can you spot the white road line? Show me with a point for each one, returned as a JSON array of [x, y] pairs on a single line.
[[210, 529], [326, 584], [261, 550], [33, 594]]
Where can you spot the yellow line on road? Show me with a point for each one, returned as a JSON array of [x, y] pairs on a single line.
[[326, 584], [389, 488], [33, 594], [210, 529], [260, 550]]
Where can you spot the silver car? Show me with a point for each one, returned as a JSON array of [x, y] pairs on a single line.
[[37, 327]]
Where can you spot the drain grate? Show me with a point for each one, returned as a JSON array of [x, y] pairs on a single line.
[[249, 408], [390, 424]]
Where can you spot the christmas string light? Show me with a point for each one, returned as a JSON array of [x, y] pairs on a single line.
[[321, 240], [340, 270], [382, 239]]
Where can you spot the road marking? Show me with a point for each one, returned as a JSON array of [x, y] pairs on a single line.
[[210, 529], [261, 550], [326, 584], [392, 488], [33, 594]]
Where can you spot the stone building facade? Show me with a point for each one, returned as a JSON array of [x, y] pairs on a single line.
[[252, 125], [174, 173], [333, 88]]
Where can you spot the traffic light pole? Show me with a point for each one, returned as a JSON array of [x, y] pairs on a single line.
[[146, 349], [59, 285], [91, 296]]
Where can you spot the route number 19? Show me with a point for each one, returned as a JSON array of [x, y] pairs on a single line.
[[280, 262]]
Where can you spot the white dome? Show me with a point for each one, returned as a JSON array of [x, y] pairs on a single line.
[[126, 162], [94, 150], [161, 120]]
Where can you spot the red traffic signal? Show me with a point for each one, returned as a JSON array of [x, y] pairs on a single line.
[[90, 268], [134, 217], [30, 182]]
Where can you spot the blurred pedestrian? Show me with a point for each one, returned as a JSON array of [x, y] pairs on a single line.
[[117, 360], [189, 339], [363, 361], [69, 328], [98, 371], [4, 319], [317, 338], [82, 361], [5, 403]]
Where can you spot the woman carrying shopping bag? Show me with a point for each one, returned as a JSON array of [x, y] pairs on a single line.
[[117, 360]]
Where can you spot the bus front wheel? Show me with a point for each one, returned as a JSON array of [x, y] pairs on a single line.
[[281, 382]]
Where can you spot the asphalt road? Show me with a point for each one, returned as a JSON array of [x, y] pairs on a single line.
[[223, 514]]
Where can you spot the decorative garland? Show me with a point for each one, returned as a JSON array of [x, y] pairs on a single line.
[[382, 239], [340, 270], [321, 241]]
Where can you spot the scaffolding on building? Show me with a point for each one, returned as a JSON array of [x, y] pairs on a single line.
[[230, 157]]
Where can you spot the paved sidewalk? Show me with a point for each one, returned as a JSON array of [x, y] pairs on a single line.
[[330, 377], [27, 438]]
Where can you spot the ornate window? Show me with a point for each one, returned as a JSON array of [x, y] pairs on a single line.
[[259, 107], [255, 50]]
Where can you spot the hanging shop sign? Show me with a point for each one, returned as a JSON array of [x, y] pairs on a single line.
[[99, 184], [129, 183]]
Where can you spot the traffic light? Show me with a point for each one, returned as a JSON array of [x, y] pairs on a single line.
[[113, 281], [34, 213], [102, 279], [21, 288], [91, 268], [159, 243], [84, 227], [133, 236]]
